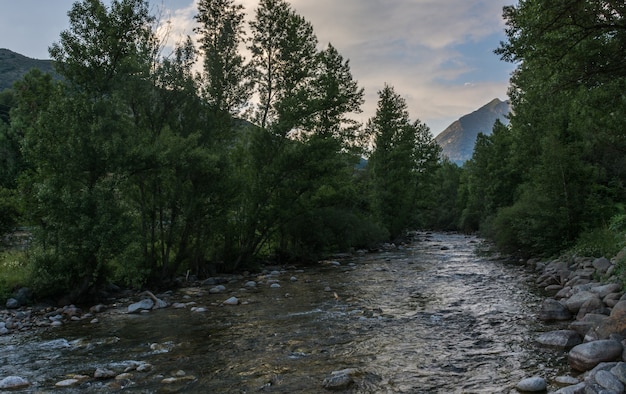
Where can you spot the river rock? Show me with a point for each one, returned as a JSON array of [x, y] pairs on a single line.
[[578, 299], [575, 389], [609, 381], [145, 304], [612, 299], [601, 264], [592, 305], [340, 380], [563, 339], [13, 382], [604, 290], [103, 373], [217, 289], [619, 371], [585, 356], [566, 380], [552, 310], [615, 324], [12, 303], [532, 385], [67, 382], [250, 284], [231, 301]]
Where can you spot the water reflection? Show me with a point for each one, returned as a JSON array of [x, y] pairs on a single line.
[[430, 317]]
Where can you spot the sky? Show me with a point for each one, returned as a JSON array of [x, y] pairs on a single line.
[[437, 54]]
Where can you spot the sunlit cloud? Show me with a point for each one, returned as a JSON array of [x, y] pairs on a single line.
[[417, 46]]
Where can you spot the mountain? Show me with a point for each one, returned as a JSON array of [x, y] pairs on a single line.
[[457, 140], [14, 66]]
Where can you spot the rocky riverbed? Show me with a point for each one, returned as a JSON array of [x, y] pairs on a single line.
[[587, 306], [428, 316]]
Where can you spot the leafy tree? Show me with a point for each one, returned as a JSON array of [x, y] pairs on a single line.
[[79, 147], [565, 94], [226, 85], [404, 156]]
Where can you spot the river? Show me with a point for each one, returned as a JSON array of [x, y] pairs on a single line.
[[433, 316]]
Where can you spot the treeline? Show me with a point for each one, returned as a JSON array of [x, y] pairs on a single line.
[[138, 167], [553, 180]]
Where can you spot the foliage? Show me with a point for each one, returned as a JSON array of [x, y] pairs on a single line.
[[404, 156], [555, 177], [135, 168], [14, 272]]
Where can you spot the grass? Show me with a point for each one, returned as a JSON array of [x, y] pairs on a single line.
[[14, 271]]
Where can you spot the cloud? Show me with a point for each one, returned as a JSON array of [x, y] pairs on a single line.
[[421, 47]]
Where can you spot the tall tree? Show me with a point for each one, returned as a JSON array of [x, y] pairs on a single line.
[[79, 147], [404, 153], [568, 55], [226, 85]]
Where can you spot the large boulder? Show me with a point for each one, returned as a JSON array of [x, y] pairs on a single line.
[[616, 322], [145, 304], [604, 290], [592, 305], [591, 320], [532, 385], [13, 383], [601, 264], [585, 356], [563, 339], [578, 299], [553, 310]]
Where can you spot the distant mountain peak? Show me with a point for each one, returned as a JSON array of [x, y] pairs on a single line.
[[457, 140]]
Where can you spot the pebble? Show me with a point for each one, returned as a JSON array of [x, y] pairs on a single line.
[[231, 301], [566, 380], [217, 289], [275, 286]]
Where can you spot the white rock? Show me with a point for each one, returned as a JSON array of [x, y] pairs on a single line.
[[13, 382], [231, 301], [67, 383], [275, 286]]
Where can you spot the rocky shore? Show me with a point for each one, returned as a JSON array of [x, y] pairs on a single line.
[[586, 304]]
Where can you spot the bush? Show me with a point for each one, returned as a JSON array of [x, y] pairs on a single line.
[[600, 242], [14, 272]]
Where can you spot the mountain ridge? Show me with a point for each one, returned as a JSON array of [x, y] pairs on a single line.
[[13, 66], [457, 140]]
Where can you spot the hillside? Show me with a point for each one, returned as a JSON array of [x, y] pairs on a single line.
[[458, 139], [14, 66]]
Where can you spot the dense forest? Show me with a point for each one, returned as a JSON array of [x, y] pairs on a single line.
[[135, 167]]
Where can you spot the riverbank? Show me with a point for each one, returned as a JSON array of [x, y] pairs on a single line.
[[586, 305]]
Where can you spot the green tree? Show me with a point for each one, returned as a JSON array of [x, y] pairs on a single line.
[[226, 86], [404, 156], [569, 67], [78, 145]]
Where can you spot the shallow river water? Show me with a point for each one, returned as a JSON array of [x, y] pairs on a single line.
[[431, 317]]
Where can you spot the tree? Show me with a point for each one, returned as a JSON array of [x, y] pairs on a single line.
[[565, 95], [404, 155], [79, 145], [226, 85]]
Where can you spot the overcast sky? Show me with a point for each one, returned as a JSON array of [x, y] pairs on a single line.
[[437, 54]]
